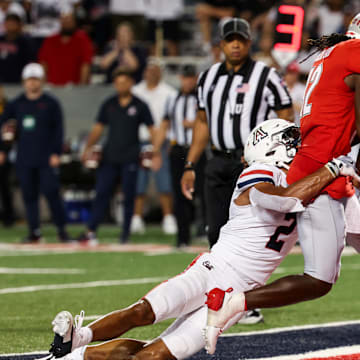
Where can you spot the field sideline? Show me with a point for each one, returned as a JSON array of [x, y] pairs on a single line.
[[45, 282]]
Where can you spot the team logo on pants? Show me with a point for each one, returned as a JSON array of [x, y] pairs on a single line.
[[208, 265]]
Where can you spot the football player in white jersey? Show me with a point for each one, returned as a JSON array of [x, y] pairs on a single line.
[[260, 231]]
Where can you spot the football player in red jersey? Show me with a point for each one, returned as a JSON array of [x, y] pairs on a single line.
[[330, 120]]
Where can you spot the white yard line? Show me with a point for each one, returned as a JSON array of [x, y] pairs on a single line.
[[91, 284], [8, 270]]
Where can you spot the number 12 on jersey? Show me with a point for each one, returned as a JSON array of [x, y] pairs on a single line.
[[312, 81]]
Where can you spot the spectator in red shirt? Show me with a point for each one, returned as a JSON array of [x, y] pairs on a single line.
[[67, 56]]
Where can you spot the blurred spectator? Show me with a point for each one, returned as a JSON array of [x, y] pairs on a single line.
[[305, 51], [209, 10], [296, 88], [16, 50], [98, 19], [39, 138], [329, 17], [124, 52], [156, 94], [131, 11], [264, 52], [44, 17], [67, 56], [349, 12], [216, 55], [7, 208], [164, 15], [122, 113], [10, 7], [179, 119]]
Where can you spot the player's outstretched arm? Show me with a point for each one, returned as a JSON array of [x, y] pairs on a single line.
[[310, 186]]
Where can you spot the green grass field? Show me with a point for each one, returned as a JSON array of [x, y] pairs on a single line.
[[25, 316]]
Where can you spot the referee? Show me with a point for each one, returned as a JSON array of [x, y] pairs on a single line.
[[233, 97], [180, 114]]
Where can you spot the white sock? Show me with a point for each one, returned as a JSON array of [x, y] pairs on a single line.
[[82, 337], [78, 354]]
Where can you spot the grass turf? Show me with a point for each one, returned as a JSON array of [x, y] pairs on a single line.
[[25, 317]]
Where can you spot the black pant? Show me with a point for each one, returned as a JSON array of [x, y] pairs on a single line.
[[221, 173], [45, 180], [106, 177], [6, 194], [183, 208]]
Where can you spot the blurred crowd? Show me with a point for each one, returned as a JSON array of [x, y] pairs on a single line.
[[75, 41]]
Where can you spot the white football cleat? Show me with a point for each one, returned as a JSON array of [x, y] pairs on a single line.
[[67, 335], [222, 307]]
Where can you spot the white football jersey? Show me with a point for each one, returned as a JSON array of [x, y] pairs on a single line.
[[255, 244]]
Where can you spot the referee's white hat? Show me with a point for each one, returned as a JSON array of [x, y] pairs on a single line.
[[239, 26]]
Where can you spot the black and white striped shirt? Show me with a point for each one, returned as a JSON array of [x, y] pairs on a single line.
[[236, 102], [179, 108]]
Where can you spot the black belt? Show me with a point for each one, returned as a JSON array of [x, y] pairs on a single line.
[[228, 154]]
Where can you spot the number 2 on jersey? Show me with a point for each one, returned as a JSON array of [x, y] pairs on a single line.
[[313, 79], [274, 243]]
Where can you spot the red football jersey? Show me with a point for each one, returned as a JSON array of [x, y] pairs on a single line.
[[328, 113]]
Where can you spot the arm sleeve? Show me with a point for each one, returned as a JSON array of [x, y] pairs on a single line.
[[58, 129], [279, 97], [353, 59], [146, 116]]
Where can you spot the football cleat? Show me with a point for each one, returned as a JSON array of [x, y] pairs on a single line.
[[67, 335], [222, 307]]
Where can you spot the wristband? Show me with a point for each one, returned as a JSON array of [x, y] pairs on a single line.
[[188, 168], [189, 164], [333, 168]]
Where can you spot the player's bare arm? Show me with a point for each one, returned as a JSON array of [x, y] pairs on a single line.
[[199, 141]]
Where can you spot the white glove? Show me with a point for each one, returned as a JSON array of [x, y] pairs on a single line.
[[343, 166]]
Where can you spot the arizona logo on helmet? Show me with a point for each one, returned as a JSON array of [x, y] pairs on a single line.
[[259, 134]]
